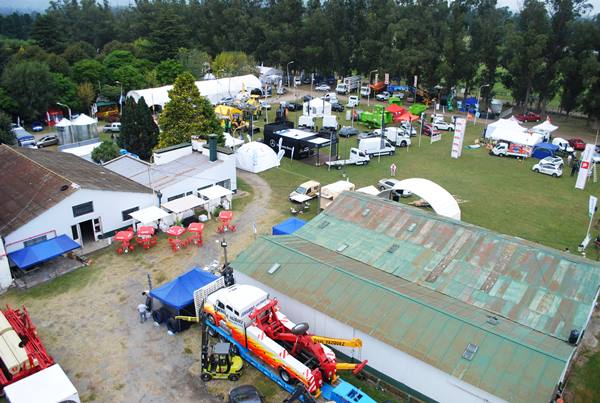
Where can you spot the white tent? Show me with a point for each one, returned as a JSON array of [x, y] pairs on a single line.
[[442, 202], [64, 122], [231, 141], [256, 157], [510, 130], [149, 215], [214, 196], [370, 190], [546, 126], [316, 107], [64, 130], [214, 90], [504, 125], [183, 204], [84, 128]]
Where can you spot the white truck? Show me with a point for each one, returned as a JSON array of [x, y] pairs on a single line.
[[562, 144], [348, 85], [396, 136], [503, 149], [365, 91], [375, 146], [306, 121], [357, 157], [306, 191], [333, 190], [353, 101]]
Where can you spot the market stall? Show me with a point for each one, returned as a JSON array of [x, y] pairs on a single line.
[[216, 196]]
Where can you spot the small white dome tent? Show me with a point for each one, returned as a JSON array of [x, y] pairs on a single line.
[[256, 157]]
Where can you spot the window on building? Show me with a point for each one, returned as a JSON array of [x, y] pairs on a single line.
[[175, 197], [189, 193], [226, 184], [74, 232], [125, 213], [35, 240], [82, 209]]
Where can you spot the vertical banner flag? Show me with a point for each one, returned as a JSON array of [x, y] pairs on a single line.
[[459, 134], [586, 165], [387, 78]]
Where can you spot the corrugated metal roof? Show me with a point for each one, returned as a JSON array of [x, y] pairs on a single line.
[[536, 286], [513, 361]]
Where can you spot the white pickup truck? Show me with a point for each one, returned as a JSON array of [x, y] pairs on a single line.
[[112, 127], [357, 157], [510, 150]]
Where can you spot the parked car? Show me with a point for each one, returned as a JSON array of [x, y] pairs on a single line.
[[409, 128], [330, 97], [387, 184], [37, 126], [384, 96], [337, 107], [443, 125], [292, 106], [322, 87], [559, 162], [548, 169], [297, 81], [306, 80], [367, 135], [245, 394], [348, 131], [428, 130], [226, 100], [112, 127], [529, 117], [577, 144], [46, 141]]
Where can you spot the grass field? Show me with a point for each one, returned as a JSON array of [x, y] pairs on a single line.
[[502, 194]]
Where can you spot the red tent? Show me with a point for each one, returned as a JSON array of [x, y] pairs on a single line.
[[408, 116], [395, 109]]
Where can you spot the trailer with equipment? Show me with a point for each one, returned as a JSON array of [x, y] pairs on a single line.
[[247, 318]]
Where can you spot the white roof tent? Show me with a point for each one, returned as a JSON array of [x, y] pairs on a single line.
[[183, 204], [442, 202], [214, 192], [214, 90], [149, 215], [546, 126]]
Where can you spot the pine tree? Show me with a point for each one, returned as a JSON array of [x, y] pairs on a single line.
[[139, 132], [187, 113]]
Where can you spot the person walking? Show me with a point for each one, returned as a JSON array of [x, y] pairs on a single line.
[[574, 167], [142, 309]]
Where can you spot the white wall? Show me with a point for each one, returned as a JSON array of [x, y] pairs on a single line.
[[5, 277], [168, 156], [386, 359], [107, 205]]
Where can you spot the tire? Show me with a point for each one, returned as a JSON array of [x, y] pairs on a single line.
[[536, 170], [159, 316], [285, 376], [233, 377], [206, 377], [555, 175], [172, 325], [403, 144], [211, 332]]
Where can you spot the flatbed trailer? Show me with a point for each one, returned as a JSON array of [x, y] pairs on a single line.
[[342, 392]]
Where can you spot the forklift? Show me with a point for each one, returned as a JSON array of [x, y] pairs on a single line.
[[222, 362]]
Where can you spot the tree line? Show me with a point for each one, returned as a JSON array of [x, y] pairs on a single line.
[[77, 50]]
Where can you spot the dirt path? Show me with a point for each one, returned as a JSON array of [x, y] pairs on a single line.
[[89, 323]]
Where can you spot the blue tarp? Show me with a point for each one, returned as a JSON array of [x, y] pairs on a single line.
[[40, 252], [543, 150], [287, 227], [179, 292]]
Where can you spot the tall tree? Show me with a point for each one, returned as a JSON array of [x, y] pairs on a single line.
[[233, 64], [6, 134], [86, 95], [169, 33], [187, 113], [194, 60], [167, 71], [139, 132], [31, 86]]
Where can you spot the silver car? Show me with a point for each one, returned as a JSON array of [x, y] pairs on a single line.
[[387, 184], [548, 169]]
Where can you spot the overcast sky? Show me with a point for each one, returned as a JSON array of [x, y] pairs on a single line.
[[43, 4]]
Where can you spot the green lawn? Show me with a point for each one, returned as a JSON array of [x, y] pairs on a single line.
[[502, 194]]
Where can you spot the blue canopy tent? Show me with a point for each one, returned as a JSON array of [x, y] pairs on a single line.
[[543, 150], [288, 226], [40, 252], [178, 295]]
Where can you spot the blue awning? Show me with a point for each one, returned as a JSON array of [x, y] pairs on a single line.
[[289, 226], [40, 252], [179, 292]]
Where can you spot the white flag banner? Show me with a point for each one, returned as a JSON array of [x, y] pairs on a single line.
[[459, 135], [592, 205], [585, 166]]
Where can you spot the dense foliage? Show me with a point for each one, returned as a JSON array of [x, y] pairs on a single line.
[[106, 151], [139, 132], [549, 48]]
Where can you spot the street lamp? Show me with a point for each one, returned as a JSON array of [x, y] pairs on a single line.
[[369, 93], [120, 98], [287, 70], [66, 106], [479, 95]]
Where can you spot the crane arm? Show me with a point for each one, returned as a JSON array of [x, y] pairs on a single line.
[[355, 368], [187, 318], [331, 341]]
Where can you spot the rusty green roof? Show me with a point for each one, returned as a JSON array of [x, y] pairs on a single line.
[[539, 287], [513, 361]]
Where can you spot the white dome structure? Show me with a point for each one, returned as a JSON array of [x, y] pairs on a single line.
[[256, 157], [442, 202]]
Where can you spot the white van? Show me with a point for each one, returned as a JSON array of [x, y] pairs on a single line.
[[396, 135], [353, 101], [373, 147]]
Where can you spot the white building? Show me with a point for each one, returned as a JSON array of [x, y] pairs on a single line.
[[179, 171], [46, 194]]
